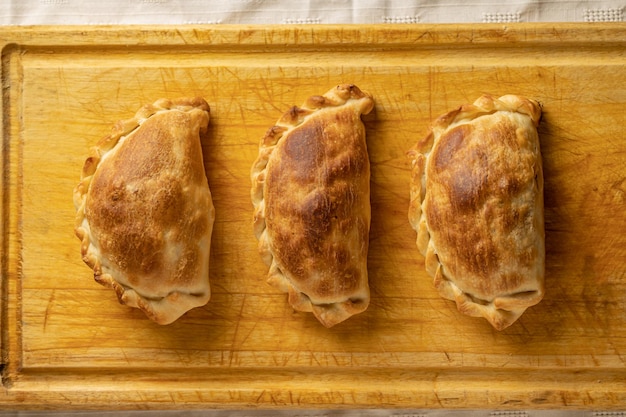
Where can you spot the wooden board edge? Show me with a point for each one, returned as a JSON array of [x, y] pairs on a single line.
[[9, 216], [366, 35], [4, 199], [317, 389]]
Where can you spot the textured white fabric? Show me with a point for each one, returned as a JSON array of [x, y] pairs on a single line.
[[72, 12]]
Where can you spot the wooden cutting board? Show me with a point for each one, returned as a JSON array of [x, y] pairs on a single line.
[[67, 343]]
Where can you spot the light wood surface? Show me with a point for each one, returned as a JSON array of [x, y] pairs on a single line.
[[67, 343]]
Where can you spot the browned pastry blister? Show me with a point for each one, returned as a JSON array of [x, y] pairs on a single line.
[[476, 202], [311, 196], [144, 210]]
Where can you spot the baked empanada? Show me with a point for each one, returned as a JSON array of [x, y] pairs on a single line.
[[311, 196], [477, 206], [144, 210]]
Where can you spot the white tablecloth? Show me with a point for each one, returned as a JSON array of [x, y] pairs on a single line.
[[71, 12]]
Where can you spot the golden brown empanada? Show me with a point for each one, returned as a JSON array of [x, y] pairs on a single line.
[[311, 196], [477, 207], [144, 210]]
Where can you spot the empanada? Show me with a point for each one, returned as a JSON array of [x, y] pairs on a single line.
[[311, 196], [144, 210], [477, 206]]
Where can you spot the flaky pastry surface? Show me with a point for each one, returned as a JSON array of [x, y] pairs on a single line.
[[476, 202], [144, 210], [311, 196]]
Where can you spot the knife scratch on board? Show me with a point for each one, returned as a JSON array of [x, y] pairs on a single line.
[[48, 309], [181, 36]]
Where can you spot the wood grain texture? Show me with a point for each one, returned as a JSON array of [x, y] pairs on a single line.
[[67, 343]]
